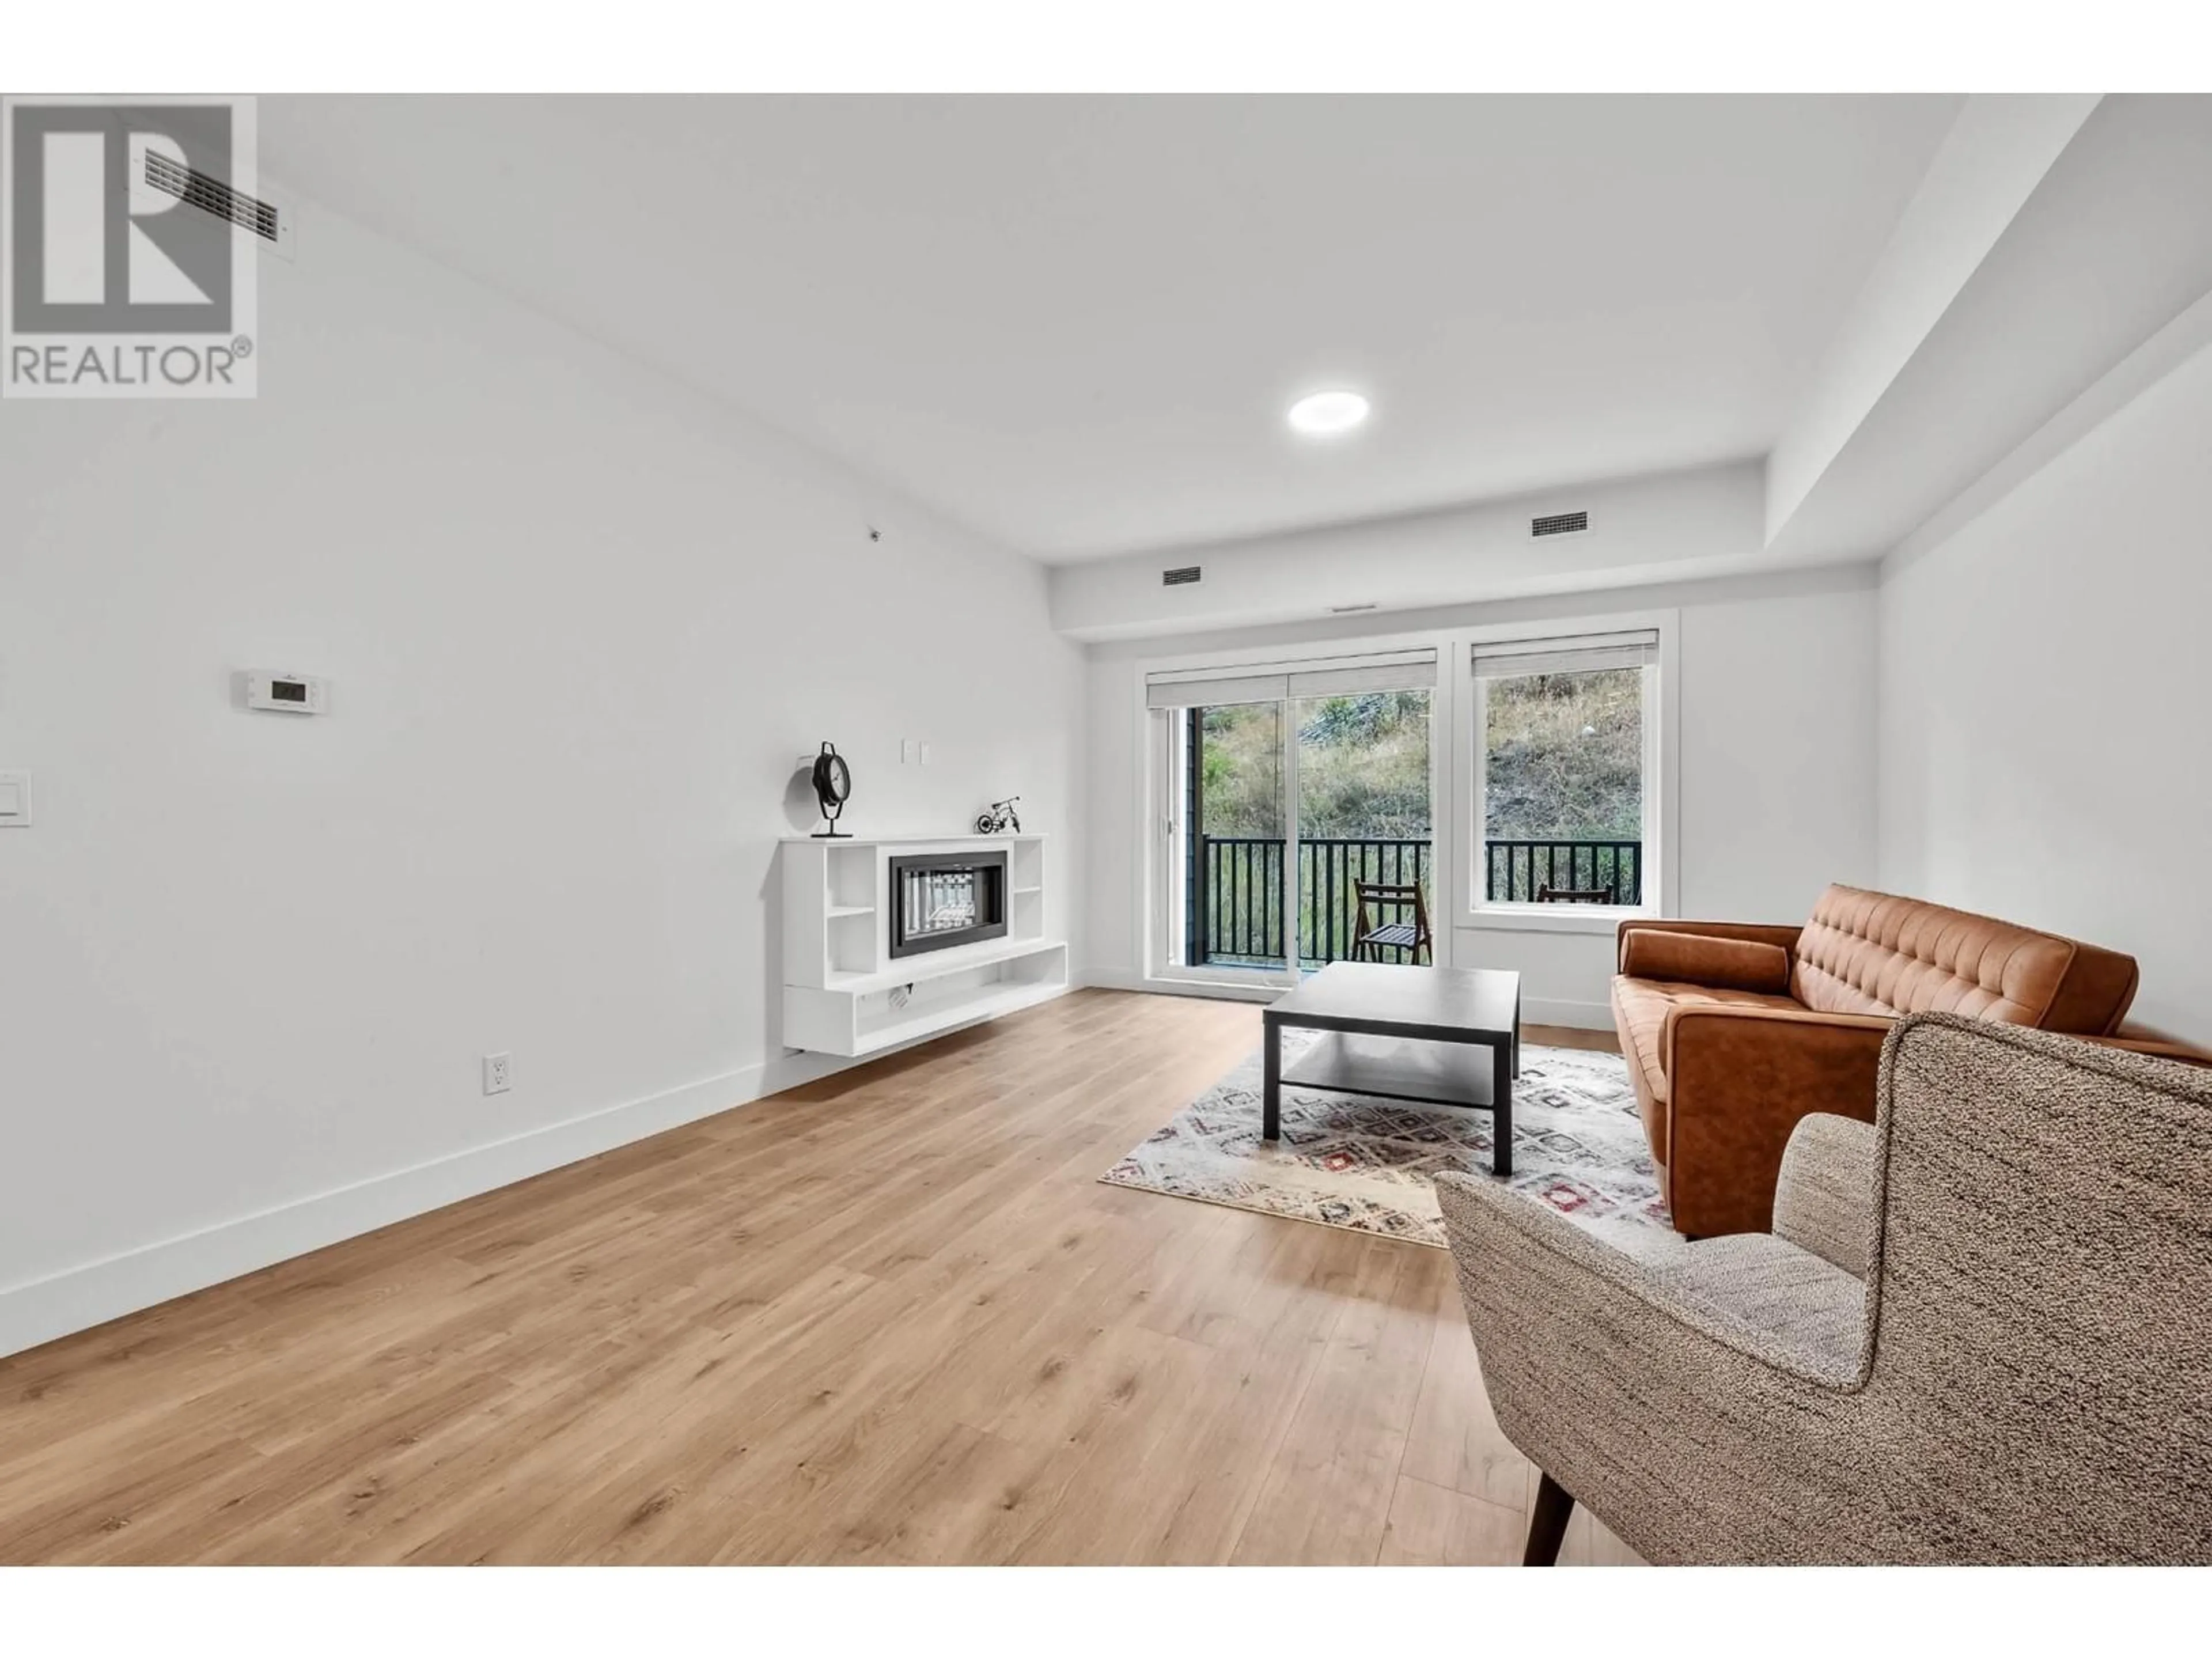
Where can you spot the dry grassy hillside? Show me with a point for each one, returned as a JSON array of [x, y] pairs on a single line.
[[1565, 761]]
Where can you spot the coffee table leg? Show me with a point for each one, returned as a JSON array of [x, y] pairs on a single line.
[[1516, 1030], [1504, 1067], [1270, 1084]]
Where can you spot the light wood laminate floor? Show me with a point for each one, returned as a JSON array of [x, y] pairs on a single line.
[[888, 1317]]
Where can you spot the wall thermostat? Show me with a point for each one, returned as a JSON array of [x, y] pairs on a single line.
[[287, 694]]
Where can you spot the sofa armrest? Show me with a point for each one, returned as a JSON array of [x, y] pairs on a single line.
[[1738, 1081], [1783, 934], [1620, 1387], [2141, 1040], [1824, 1197], [1487, 1222]]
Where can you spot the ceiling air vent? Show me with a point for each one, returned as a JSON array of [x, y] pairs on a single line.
[[1559, 524], [212, 195], [1184, 576]]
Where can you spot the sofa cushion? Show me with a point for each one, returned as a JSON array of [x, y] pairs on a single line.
[[1815, 1307], [1735, 964], [1875, 953]]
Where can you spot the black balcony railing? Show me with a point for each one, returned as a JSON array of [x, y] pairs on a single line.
[[1235, 917], [1520, 872], [1236, 903]]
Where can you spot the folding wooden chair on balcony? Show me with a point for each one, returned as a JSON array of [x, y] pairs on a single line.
[[1574, 896], [1394, 917]]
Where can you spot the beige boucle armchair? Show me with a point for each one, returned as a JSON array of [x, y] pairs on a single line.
[[1981, 1330]]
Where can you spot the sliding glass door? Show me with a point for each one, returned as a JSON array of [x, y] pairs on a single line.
[[1362, 766], [1290, 786], [1233, 893]]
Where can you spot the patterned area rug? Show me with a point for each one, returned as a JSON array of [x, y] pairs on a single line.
[[1356, 1162]]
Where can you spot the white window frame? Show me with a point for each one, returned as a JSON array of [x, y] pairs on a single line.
[[1661, 869], [1171, 845]]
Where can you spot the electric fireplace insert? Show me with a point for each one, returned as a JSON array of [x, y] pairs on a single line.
[[940, 900]]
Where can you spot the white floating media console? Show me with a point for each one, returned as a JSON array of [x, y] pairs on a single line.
[[847, 990]]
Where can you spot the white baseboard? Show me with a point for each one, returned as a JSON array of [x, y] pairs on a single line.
[[1112, 979], [78, 1298], [1583, 1016]]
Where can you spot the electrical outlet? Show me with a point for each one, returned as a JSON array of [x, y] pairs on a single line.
[[499, 1073]]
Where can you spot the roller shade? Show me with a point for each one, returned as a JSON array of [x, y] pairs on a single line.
[[1214, 692], [1325, 676], [1573, 653]]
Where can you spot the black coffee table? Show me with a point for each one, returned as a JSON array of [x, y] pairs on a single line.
[[1448, 1036]]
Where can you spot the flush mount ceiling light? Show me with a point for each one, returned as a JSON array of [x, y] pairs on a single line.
[[1326, 412]]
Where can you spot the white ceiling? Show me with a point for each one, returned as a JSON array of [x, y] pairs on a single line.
[[1074, 323]]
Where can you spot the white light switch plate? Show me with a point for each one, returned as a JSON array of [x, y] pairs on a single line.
[[15, 799]]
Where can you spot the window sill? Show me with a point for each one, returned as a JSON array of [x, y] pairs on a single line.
[[1554, 918]]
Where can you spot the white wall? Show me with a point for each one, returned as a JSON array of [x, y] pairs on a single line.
[[1776, 764], [2044, 690], [580, 624]]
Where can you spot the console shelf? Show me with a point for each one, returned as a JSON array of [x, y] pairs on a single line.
[[843, 991]]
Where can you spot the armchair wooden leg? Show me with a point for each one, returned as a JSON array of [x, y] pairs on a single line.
[[1548, 1523]]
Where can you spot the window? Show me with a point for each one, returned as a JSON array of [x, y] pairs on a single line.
[[1563, 770]]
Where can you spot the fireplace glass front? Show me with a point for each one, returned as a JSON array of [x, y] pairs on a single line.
[[943, 899]]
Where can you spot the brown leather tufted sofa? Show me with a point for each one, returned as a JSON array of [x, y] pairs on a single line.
[[1734, 1031]]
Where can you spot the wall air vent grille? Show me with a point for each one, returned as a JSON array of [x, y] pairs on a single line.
[[1184, 576], [211, 196], [1559, 524]]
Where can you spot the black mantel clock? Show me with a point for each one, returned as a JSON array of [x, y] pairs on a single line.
[[833, 785]]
